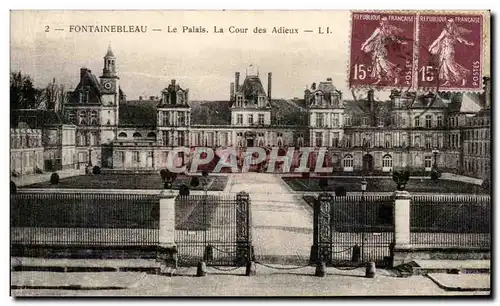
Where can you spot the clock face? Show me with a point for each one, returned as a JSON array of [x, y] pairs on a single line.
[[107, 85]]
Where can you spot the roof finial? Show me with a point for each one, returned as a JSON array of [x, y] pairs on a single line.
[[110, 52]]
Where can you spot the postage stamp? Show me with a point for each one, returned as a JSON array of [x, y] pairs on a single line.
[[382, 49], [450, 52]]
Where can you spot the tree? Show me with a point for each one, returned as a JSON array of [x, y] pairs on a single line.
[[23, 94]]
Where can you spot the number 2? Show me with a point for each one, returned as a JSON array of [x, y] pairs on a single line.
[[46, 28]]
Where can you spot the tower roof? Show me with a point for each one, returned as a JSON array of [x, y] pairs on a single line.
[[110, 52]]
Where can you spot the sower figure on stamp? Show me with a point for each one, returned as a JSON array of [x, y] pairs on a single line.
[[383, 36], [444, 49]]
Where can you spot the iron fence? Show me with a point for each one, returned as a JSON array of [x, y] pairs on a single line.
[[353, 229], [450, 221], [83, 219], [213, 228]]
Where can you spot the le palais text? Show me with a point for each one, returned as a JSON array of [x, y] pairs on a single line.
[[189, 29]]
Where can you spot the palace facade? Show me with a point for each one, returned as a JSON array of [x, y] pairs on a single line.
[[360, 133]]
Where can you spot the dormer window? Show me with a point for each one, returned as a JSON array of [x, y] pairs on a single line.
[[364, 121], [318, 98], [239, 100], [84, 96], [180, 97]]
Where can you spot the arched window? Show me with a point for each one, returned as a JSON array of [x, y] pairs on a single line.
[[137, 135], [122, 135], [348, 161], [387, 163], [151, 135]]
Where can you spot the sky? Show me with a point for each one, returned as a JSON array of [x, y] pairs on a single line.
[[204, 63]]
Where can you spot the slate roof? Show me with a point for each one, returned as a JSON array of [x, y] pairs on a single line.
[[210, 112], [34, 118], [89, 81], [137, 112]]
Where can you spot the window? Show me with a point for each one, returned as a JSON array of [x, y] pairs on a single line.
[[250, 118], [72, 117], [428, 121], [387, 161], [335, 140], [81, 118], [335, 122], [180, 139], [239, 118], [165, 118], [137, 135], [181, 119], [166, 140], [151, 135], [428, 162], [93, 118], [380, 121], [319, 139], [121, 157], [136, 157], [348, 142], [347, 121], [261, 119], [348, 161], [388, 140], [320, 120], [417, 141], [428, 141], [364, 121], [440, 121], [239, 101], [417, 121], [84, 96]]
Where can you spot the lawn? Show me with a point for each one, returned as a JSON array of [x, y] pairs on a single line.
[[384, 185], [129, 181]]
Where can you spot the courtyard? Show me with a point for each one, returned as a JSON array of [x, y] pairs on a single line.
[[380, 184]]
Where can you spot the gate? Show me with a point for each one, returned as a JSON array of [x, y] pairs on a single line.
[[352, 230], [213, 228]]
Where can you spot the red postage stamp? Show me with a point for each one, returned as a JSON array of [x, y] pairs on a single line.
[[450, 52], [382, 49]]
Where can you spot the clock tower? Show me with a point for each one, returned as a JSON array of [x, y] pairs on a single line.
[[110, 98]]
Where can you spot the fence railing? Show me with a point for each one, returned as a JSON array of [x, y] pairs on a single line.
[[213, 228], [358, 228], [450, 221], [83, 219]]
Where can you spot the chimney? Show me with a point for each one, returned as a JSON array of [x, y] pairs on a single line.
[[269, 85], [172, 82], [236, 81], [328, 79], [231, 92], [83, 71], [487, 92], [152, 98], [140, 98], [371, 101]]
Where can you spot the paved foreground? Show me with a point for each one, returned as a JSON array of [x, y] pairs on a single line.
[[282, 222], [268, 282]]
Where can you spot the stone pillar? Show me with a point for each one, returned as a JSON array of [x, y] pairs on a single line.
[[243, 229], [322, 231], [402, 212], [167, 250]]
